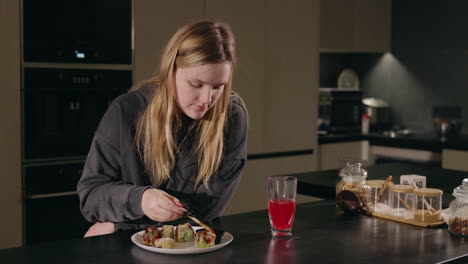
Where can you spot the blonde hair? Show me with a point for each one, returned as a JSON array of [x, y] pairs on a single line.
[[197, 43]]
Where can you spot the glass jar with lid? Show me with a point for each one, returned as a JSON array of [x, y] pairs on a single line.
[[353, 178], [458, 210], [377, 196], [428, 205], [401, 199]]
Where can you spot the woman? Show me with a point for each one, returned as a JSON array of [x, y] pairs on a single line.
[[179, 137]]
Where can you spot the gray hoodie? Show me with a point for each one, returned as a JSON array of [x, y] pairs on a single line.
[[114, 178]]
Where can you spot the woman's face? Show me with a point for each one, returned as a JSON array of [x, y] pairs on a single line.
[[198, 88]]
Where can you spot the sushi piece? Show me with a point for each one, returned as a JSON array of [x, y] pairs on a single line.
[[205, 238], [164, 242], [167, 231], [150, 235], [184, 233]]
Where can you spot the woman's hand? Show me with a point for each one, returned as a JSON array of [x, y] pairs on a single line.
[[160, 206], [100, 229]]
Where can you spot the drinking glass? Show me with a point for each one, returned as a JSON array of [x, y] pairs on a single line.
[[281, 192]]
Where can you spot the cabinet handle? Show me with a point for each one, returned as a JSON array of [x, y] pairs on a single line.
[[48, 195]]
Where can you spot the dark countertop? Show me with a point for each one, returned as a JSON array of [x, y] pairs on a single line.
[[322, 183], [422, 141], [322, 234]]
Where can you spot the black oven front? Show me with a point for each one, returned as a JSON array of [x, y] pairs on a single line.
[[77, 31], [63, 107]]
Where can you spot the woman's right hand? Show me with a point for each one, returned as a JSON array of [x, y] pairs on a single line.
[[160, 206]]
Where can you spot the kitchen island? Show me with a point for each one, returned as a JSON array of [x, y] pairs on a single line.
[[322, 234]]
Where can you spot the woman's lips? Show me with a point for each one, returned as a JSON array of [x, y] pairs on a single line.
[[200, 108]]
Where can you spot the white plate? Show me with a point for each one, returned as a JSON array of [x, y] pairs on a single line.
[[182, 247]]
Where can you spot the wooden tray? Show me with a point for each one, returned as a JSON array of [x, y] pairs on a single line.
[[407, 221]]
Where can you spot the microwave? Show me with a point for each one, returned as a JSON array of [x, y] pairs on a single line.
[[340, 110]]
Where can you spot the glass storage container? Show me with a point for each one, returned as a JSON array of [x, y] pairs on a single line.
[[458, 210], [401, 199], [377, 196], [428, 205], [353, 178]]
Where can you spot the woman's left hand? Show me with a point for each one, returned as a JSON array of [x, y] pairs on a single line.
[[100, 229]]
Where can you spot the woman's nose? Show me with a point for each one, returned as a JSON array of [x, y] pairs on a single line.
[[206, 94]]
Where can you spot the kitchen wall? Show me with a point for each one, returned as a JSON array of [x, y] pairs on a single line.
[[428, 65]]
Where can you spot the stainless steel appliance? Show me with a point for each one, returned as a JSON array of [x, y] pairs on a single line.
[[340, 110]]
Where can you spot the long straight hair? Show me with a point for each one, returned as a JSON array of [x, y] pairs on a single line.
[[198, 43]]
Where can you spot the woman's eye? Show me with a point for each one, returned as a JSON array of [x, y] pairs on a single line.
[[217, 87], [196, 85]]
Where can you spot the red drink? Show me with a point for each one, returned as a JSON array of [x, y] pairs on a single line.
[[282, 213]]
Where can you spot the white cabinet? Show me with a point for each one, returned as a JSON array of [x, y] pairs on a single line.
[[355, 25], [334, 155], [455, 159], [10, 131]]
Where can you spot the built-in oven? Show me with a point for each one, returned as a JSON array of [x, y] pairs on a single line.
[[63, 107], [51, 206], [61, 111], [77, 31]]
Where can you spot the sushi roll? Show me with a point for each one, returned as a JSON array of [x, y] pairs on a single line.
[[164, 242], [150, 235], [205, 238], [167, 231], [184, 233]]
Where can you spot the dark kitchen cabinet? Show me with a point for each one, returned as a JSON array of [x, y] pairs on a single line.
[[430, 26], [355, 25]]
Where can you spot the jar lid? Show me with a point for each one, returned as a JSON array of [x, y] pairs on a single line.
[[402, 188], [375, 183], [461, 190], [353, 168], [428, 192]]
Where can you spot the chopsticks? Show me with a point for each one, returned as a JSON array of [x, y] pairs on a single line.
[[190, 215], [200, 223]]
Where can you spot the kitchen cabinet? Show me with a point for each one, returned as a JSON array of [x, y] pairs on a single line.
[[154, 23], [333, 155], [251, 194], [10, 135], [455, 159], [355, 25], [277, 69]]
